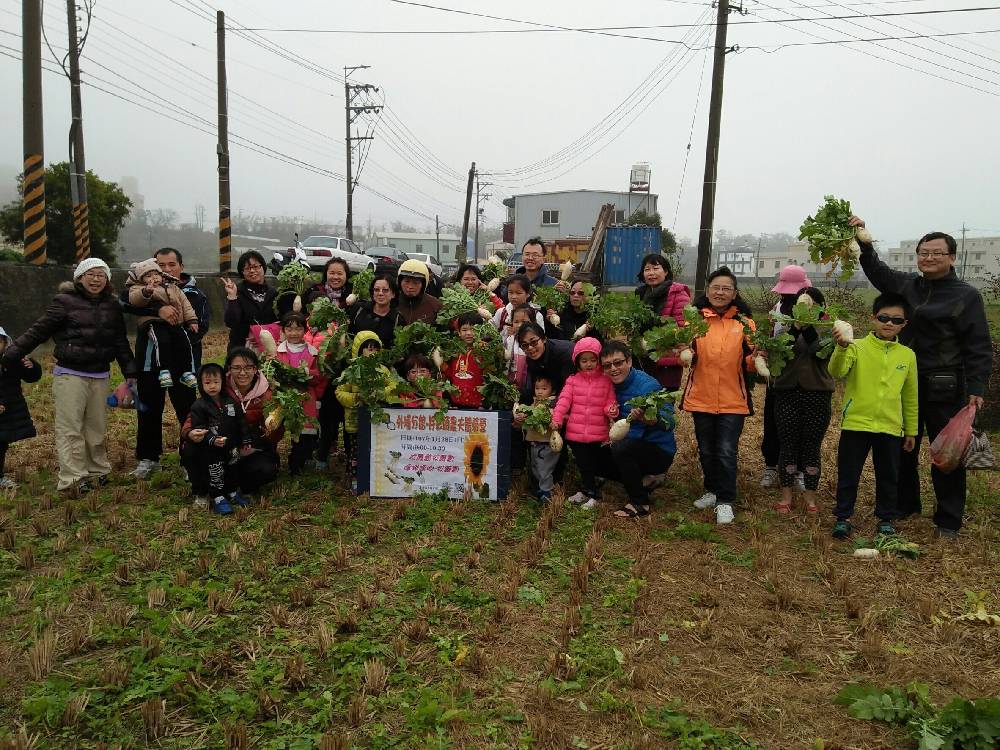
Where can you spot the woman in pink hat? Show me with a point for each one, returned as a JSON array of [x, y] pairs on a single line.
[[790, 280]]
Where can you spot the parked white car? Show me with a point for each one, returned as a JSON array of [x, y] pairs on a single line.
[[430, 260], [320, 249]]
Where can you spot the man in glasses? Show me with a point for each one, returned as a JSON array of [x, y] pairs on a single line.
[[951, 337]]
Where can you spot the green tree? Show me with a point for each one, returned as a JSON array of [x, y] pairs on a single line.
[[667, 238], [109, 209]]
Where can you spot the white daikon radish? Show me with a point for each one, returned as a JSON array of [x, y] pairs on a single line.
[[494, 260], [274, 420], [760, 364], [493, 284], [297, 303], [686, 357], [351, 299], [845, 329], [507, 354], [866, 553], [805, 299], [619, 430], [863, 235], [555, 442], [855, 248], [567, 270], [645, 345], [484, 313], [436, 356], [554, 319], [428, 404], [267, 343], [580, 332]]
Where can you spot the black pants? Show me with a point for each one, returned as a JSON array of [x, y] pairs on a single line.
[[718, 438], [949, 489], [172, 349], [802, 418], [209, 469], [331, 417], [588, 457], [149, 432], [770, 445], [3, 456], [851, 455], [300, 453], [628, 461]]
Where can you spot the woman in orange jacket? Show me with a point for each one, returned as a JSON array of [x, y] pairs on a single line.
[[718, 391]]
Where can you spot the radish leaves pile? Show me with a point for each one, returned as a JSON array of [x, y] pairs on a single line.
[[831, 238]]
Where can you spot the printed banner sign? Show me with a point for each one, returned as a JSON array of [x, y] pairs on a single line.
[[467, 453]]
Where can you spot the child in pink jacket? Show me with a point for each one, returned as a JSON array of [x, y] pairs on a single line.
[[294, 351], [587, 404]]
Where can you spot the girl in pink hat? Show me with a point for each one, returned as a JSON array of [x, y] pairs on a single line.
[[790, 280]]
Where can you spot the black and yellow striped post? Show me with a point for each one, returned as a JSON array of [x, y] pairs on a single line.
[[34, 209], [81, 230], [225, 241]]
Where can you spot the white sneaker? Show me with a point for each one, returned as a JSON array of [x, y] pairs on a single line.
[[770, 478], [201, 502], [144, 468], [6, 483], [706, 501], [578, 498], [800, 482], [724, 513], [591, 504]]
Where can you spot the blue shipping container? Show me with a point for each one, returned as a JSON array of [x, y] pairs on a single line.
[[624, 249]]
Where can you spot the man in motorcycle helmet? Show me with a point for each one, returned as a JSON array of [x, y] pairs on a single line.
[[414, 303]]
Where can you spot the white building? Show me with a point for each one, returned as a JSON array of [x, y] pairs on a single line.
[[440, 246], [568, 213]]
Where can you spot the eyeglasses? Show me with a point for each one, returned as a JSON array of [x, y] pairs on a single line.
[[94, 275], [615, 364], [931, 254], [531, 255], [725, 289], [894, 319], [242, 368], [376, 290], [253, 267], [526, 344], [577, 294]]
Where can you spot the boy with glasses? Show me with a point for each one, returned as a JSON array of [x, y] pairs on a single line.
[[879, 413]]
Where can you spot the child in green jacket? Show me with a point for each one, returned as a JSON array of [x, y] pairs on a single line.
[[879, 412]]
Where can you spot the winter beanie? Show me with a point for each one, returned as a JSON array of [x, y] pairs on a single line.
[[89, 264]]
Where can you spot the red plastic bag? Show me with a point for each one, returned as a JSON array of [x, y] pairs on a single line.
[[951, 443]]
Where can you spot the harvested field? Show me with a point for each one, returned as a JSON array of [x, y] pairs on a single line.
[[316, 619]]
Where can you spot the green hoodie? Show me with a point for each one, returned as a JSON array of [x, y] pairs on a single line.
[[881, 392]]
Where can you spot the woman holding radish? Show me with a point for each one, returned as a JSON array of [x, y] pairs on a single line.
[[667, 298], [250, 301], [802, 394], [718, 392], [575, 314], [470, 277], [335, 286]]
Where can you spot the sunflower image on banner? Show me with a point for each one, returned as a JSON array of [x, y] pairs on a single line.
[[477, 464]]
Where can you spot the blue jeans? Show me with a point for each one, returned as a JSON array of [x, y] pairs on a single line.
[[718, 438]]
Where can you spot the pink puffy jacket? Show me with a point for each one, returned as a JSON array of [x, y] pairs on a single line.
[[587, 401], [678, 296]]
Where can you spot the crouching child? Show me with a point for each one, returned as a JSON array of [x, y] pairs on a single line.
[[216, 438]]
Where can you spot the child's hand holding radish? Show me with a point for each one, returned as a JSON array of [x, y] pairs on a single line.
[[843, 333]]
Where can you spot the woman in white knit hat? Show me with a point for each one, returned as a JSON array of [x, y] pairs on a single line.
[[85, 322]]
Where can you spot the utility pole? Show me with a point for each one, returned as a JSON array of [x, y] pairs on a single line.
[[462, 254], [965, 257], [34, 154], [222, 150], [437, 235], [712, 148], [351, 113], [479, 211], [77, 162]]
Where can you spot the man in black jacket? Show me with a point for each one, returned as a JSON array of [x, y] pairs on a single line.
[[949, 332]]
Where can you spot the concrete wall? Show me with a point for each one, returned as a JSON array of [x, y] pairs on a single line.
[[25, 292]]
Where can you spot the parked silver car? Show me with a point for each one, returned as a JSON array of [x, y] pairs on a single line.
[[319, 249]]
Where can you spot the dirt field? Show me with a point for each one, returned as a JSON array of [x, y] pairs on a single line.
[[316, 619]]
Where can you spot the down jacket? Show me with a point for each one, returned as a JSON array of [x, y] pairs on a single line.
[[587, 400], [88, 332], [245, 311], [15, 419]]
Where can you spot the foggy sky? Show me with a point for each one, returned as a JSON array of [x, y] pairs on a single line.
[[912, 152]]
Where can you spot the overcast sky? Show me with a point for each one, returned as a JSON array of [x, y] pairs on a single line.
[[911, 151]]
